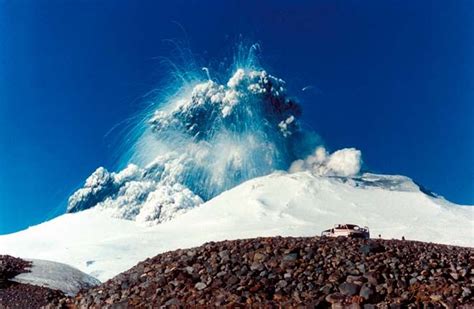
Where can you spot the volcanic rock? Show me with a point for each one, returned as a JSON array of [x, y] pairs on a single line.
[[290, 272]]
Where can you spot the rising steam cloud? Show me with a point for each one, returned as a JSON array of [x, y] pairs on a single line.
[[345, 162], [208, 137]]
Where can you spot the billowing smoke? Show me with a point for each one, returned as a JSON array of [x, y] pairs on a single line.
[[221, 135], [345, 162], [131, 195], [205, 138], [199, 142]]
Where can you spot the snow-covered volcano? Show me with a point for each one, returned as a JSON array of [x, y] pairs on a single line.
[[298, 204], [205, 139], [209, 163]]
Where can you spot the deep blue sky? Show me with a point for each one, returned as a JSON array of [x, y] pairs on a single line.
[[394, 78]]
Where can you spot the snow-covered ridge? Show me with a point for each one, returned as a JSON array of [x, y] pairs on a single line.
[[387, 182], [298, 204]]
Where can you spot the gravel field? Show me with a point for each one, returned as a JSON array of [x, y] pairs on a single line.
[[309, 271]]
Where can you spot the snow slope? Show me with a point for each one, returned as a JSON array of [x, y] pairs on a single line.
[[299, 204], [57, 276]]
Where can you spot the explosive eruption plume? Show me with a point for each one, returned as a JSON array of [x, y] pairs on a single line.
[[206, 138]]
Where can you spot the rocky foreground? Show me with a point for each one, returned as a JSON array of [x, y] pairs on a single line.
[[17, 295], [316, 272]]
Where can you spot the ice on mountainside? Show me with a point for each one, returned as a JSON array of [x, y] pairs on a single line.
[[57, 276], [388, 182]]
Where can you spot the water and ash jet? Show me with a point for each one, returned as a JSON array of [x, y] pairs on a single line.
[[207, 137]]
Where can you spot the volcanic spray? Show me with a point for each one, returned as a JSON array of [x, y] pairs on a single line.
[[204, 139]]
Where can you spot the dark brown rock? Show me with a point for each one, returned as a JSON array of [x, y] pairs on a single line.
[[335, 298], [366, 291], [291, 272], [349, 289]]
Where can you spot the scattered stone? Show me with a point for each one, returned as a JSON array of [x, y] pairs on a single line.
[[294, 272], [466, 292], [335, 298], [281, 284], [371, 278], [366, 291], [349, 289], [257, 266], [372, 247], [258, 257], [173, 302], [290, 257], [200, 286]]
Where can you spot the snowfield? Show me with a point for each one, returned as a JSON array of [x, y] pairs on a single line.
[[299, 204], [56, 276]]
